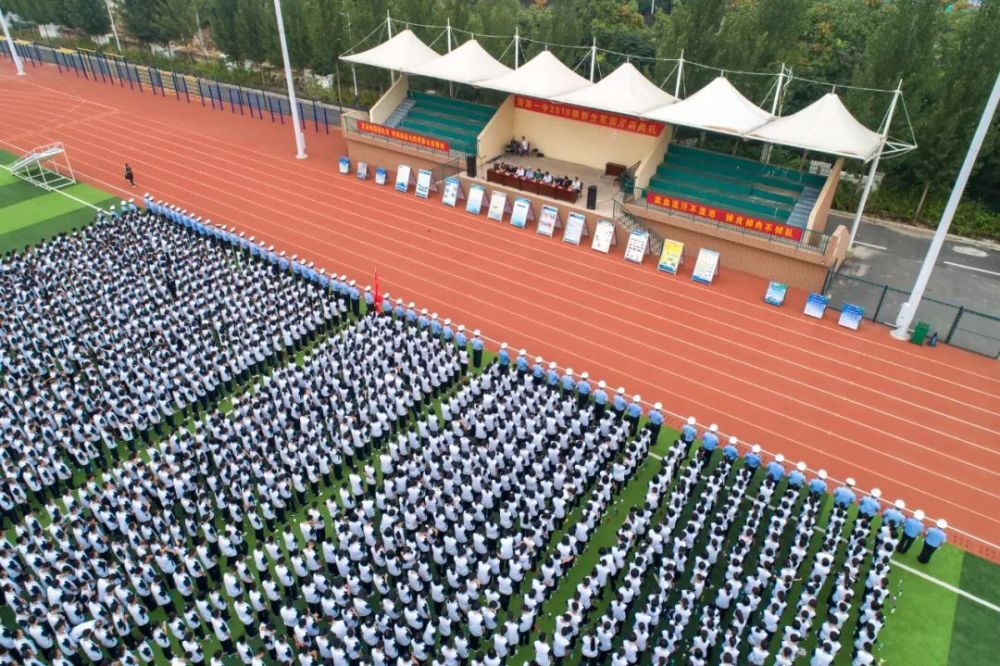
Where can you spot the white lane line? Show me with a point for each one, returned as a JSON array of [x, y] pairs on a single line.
[[947, 586], [971, 268], [874, 247]]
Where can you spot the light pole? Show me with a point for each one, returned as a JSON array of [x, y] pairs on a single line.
[[300, 139], [354, 71], [18, 65], [909, 309], [114, 29]]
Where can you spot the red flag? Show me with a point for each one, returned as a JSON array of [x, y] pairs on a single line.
[[378, 295]]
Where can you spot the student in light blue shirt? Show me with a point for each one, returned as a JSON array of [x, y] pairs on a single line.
[[730, 452], [583, 390], [893, 516], [447, 334], [619, 403], [568, 383], [869, 506], [435, 325], [355, 296], [776, 469], [634, 413], [818, 485], [655, 421], [689, 432], [552, 376], [933, 540], [751, 460], [503, 357], [369, 300], [844, 496], [709, 443], [522, 361], [912, 528], [461, 341], [399, 310], [538, 371], [424, 320], [797, 477], [411, 314], [477, 349], [600, 400], [386, 305]]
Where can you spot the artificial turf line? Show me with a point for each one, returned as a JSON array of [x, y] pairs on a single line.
[[951, 588]]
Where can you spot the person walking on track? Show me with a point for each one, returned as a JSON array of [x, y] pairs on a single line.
[[129, 176]]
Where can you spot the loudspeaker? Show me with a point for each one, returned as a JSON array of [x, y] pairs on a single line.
[[470, 166], [592, 197]]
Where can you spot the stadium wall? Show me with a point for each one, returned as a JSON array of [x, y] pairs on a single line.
[[772, 260], [381, 152], [654, 158], [390, 100], [579, 142], [821, 211], [497, 132]]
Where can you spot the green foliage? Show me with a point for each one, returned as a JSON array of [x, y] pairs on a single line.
[[87, 16]]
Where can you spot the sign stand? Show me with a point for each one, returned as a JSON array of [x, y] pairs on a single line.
[[815, 305], [637, 247], [706, 268], [671, 257], [474, 204], [549, 221], [605, 235], [344, 165], [775, 294], [851, 316], [452, 191], [522, 213], [362, 170], [424, 184], [499, 206], [404, 178]]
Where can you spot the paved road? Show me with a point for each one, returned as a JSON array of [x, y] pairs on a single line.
[[967, 272]]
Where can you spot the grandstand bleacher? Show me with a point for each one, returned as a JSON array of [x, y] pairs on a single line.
[[456, 121], [739, 185]]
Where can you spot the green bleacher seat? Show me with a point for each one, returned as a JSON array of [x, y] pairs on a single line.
[[453, 120]]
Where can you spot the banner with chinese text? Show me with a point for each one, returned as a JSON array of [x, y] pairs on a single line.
[[607, 119], [747, 222], [403, 135]]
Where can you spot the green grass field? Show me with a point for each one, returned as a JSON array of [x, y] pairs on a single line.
[[29, 214], [929, 625]]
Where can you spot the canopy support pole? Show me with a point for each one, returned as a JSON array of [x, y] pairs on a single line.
[[517, 46], [388, 28], [874, 167], [451, 86], [680, 73], [114, 28], [766, 154], [593, 59], [909, 309]]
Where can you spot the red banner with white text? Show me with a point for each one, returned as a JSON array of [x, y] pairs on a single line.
[[593, 116], [740, 220], [403, 135]]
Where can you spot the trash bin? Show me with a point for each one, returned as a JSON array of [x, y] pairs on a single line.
[[920, 332]]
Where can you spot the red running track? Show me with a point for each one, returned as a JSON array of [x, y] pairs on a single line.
[[921, 424]]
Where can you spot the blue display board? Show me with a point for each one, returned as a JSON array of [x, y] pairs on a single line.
[[776, 292], [816, 305], [851, 316], [474, 204]]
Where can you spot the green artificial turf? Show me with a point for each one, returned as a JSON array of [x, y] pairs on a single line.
[[974, 635]]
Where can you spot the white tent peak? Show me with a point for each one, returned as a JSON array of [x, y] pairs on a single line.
[[403, 51], [624, 90], [543, 76], [825, 126], [468, 63], [718, 107]]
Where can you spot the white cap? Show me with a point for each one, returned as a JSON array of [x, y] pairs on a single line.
[[343, 277], [411, 305], [461, 327], [850, 482], [569, 371], [503, 345], [919, 514], [876, 493], [352, 282], [942, 524], [447, 322], [368, 288], [713, 428], [755, 448], [552, 364], [523, 352], [602, 384], [476, 332], [900, 504], [434, 316], [585, 375], [621, 390], [801, 466], [424, 311], [691, 420], [779, 458], [733, 440], [821, 474], [399, 301], [658, 405], [636, 398], [538, 359]]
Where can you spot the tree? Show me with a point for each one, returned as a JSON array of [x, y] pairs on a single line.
[[692, 26], [326, 34], [174, 20], [88, 16], [222, 15], [141, 20]]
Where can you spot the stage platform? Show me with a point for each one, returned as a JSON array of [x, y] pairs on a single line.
[[606, 189]]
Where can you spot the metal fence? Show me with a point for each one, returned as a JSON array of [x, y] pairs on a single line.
[[213, 94], [955, 324]]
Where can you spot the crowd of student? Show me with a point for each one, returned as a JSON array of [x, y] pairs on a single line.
[[332, 516]]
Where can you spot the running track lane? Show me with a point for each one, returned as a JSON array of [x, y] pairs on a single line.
[[922, 424]]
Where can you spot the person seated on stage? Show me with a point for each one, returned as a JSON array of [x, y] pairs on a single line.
[[525, 146], [512, 146], [520, 173], [577, 185], [547, 178], [538, 174]]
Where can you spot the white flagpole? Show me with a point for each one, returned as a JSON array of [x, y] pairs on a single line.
[[114, 28], [18, 65], [909, 309], [300, 139]]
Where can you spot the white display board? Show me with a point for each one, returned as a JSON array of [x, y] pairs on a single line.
[[635, 249], [452, 191], [403, 178], [498, 206], [474, 204], [576, 224], [362, 170], [424, 184], [706, 267], [522, 213], [548, 221], [604, 236]]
